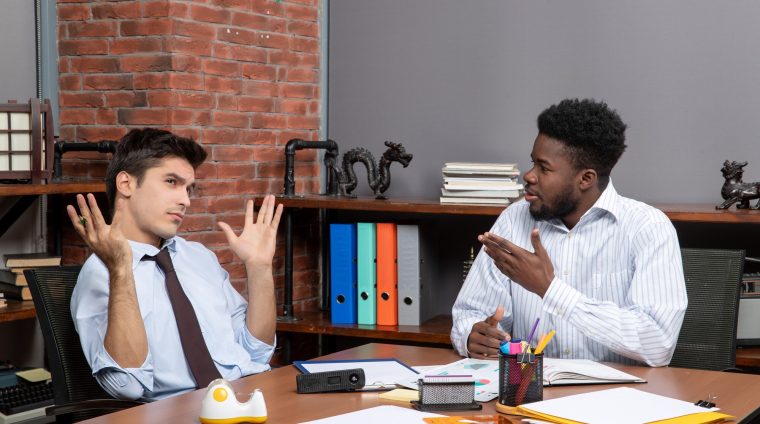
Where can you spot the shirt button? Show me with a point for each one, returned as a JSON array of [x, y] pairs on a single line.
[[567, 352]]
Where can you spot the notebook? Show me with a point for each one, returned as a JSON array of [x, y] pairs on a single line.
[[559, 372]]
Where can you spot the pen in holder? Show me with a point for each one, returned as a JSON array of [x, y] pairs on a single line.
[[521, 378]]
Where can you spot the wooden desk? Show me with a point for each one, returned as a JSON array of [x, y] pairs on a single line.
[[735, 391]]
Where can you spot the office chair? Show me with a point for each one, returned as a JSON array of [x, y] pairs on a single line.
[[708, 335], [77, 394]]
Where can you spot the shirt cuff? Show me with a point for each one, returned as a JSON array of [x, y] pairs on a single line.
[[464, 328], [143, 374], [560, 299], [260, 352]]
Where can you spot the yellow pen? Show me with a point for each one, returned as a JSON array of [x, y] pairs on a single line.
[[542, 344]]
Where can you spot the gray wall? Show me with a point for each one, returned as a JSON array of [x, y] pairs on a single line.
[[464, 81], [18, 71]]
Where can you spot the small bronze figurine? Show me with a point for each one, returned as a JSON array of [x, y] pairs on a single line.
[[735, 190], [467, 265], [378, 175]]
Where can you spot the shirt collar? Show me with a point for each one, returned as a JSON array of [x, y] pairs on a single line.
[[141, 249], [609, 201]]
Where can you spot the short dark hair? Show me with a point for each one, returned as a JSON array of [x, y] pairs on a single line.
[[593, 134], [140, 150]]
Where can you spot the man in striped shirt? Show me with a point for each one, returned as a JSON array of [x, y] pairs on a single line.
[[602, 270]]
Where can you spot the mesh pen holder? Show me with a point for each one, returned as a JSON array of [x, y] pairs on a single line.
[[521, 378]]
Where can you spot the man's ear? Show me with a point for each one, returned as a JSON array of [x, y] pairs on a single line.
[[588, 179], [125, 184]]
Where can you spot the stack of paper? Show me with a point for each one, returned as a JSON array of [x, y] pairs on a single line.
[[480, 183], [622, 405]]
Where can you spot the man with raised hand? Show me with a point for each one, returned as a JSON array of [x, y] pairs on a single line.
[[156, 314], [601, 269]]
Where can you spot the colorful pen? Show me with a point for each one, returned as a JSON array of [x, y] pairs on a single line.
[[542, 344], [533, 331]]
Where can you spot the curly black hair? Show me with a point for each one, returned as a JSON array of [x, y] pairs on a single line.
[[593, 134], [142, 149]]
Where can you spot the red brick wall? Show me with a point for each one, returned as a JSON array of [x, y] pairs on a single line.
[[239, 76]]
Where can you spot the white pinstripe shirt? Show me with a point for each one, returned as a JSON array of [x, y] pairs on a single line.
[[618, 293]]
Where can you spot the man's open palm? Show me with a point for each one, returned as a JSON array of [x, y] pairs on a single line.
[[256, 244]]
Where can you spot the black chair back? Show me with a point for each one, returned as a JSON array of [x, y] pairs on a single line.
[[51, 289], [708, 335]]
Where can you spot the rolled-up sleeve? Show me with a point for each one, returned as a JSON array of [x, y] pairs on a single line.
[[89, 311], [259, 351]]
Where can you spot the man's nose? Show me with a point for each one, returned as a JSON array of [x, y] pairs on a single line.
[[530, 176], [185, 199]]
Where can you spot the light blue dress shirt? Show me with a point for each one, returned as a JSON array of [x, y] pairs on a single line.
[[221, 312], [618, 292]]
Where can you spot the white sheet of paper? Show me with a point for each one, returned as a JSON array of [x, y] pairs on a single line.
[[377, 374], [622, 405], [378, 415]]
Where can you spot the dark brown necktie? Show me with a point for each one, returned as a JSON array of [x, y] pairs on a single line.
[[193, 344]]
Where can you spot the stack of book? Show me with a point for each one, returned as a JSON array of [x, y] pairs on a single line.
[[13, 283], [480, 183]]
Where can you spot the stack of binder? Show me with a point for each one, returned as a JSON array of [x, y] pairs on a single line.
[[480, 183], [376, 274]]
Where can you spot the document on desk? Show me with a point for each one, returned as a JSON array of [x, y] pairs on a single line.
[[622, 405], [379, 374], [378, 415]]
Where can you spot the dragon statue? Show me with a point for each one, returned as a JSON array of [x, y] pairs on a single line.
[[378, 175], [735, 190]]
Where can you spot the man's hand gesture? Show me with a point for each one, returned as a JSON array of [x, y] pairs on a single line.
[[532, 270], [485, 338], [256, 244], [106, 241]]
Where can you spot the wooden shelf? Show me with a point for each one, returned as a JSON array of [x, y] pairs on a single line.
[[391, 205], [435, 330], [677, 212], [748, 357], [16, 310], [704, 212], [52, 188]]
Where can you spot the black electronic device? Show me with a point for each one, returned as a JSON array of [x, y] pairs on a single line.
[[330, 381]]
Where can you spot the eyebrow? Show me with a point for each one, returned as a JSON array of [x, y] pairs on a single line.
[[180, 179]]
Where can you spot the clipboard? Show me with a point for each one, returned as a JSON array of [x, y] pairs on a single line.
[[379, 374]]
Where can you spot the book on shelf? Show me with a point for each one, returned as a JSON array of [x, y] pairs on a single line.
[[479, 173], [558, 372], [475, 200], [503, 194], [7, 277], [481, 166], [505, 180], [482, 185], [14, 292], [31, 260]]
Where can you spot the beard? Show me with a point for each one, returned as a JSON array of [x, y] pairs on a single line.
[[563, 206]]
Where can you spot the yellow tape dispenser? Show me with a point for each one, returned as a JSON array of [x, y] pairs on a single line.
[[220, 406]]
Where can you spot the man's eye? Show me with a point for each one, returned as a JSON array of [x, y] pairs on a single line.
[[171, 181]]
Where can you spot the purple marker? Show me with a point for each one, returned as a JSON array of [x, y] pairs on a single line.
[[533, 332]]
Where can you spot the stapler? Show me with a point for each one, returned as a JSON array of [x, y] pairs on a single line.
[[220, 406]]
